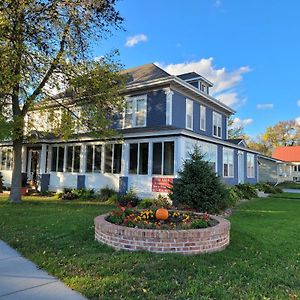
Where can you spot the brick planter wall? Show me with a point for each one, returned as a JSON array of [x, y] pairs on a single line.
[[191, 241]]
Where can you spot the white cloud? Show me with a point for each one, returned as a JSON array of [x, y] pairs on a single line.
[[225, 82], [237, 122], [298, 121], [217, 3], [134, 40], [265, 106], [298, 102]]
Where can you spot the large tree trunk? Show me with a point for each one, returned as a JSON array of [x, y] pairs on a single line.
[[16, 184]]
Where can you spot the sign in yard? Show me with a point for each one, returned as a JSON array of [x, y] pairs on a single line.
[[161, 184]]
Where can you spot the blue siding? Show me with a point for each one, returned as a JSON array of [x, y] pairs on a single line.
[[178, 110], [156, 108], [209, 117], [224, 127], [196, 117]]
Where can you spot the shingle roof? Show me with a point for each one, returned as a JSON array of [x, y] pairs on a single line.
[[145, 73], [187, 76], [288, 153]]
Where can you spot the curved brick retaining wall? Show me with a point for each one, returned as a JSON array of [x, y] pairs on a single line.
[[190, 241]]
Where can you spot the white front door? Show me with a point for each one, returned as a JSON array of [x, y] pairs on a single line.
[[241, 167]]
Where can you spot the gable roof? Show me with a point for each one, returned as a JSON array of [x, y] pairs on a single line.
[[144, 73], [287, 153], [238, 142]]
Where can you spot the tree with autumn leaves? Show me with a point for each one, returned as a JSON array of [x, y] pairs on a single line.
[[44, 45]]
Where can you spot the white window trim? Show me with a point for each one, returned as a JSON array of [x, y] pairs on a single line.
[[169, 106], [73, 158], [112, 158], [231, 150], [162, 158], [203, 108], [215, 114], [93, 159], [138, 158], [186, 113], [134, 107], [250, 175]]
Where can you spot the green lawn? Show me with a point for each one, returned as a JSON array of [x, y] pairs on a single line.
[[262, 261]]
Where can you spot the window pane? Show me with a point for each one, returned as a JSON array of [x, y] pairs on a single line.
[[69, 158], [3, 162], [128, 114], [61, 153], [168, 158], [9, 161], [117, 158], [54, 159], [133, 152], [143, 163], [140, 112], [89, 159], [76, 166], [108, 159], [157, 158], [97, 160]]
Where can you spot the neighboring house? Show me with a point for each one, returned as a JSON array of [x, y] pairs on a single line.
[[273, 170], [165, 117], [291, 155]]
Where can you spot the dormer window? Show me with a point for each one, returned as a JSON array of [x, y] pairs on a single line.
[[135, 112], [204, 88]]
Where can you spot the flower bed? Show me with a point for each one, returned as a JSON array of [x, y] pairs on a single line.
[[160, 219], [175, 240]]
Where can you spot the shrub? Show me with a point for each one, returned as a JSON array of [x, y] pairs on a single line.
[[234, 195], [106, 193], [129, 199], [200, 223], [198, 186], [268, 188], [85, 194], [247, 191], [146, 203], [72, 194]]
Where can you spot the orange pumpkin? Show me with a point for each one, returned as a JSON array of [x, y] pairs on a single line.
[[162, 214]]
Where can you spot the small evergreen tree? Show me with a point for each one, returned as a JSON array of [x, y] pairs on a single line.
[[199, 186]]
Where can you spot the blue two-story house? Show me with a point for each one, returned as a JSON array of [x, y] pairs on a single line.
[[165, 117]]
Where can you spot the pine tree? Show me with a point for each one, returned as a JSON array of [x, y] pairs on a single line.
[[198, 186]]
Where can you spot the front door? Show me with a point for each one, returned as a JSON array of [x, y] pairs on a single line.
[[33, 166], [241, 167]]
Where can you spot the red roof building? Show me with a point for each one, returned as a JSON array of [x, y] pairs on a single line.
[[287, 153]]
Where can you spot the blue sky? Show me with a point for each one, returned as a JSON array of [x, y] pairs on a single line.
[[249, 49]]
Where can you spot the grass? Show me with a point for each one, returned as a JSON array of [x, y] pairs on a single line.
[[289, 185], [262, 261]]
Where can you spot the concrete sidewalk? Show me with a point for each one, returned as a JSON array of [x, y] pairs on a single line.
[[20, 279], [293, 191]]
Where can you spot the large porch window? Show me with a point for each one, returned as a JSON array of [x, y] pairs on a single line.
[[73, 158], [228, 165], [250, 165], [57, 163], [163, 158], [113, 158], [93, 158], [138, 158], [6, 159]]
